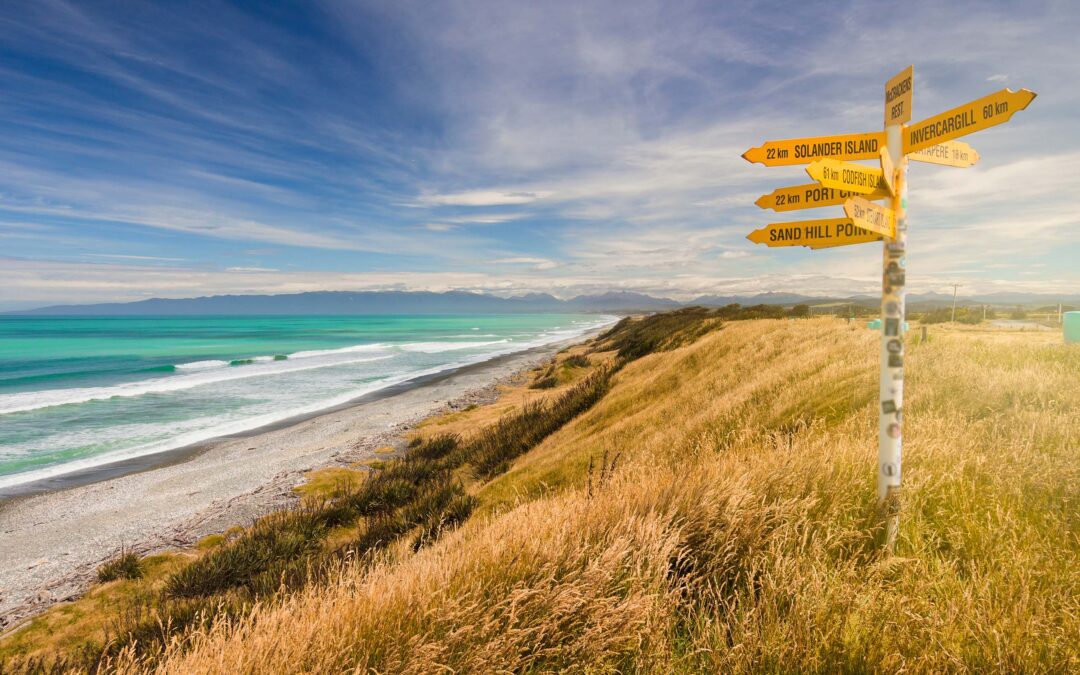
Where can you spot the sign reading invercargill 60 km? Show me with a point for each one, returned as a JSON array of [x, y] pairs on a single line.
[[983, 113]]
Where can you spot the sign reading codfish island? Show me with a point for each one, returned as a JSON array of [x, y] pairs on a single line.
[[806, 150], [840, 181], [848, 176], [821, 233]]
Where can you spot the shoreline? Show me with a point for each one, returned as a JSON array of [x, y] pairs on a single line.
[[56, 536], [184, 453]]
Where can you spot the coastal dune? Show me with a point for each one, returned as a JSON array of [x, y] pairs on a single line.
[[53, 542], [715, 512], [689, 492]]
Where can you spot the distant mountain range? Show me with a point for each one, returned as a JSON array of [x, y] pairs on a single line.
[[461, 302]]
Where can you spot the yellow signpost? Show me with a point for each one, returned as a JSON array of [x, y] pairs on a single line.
[[820, 233], [839, 181], [809, 196], [806, 150], [888, 171], [869, 216], [863, 238], [898, 98], [983, 113], [847, 176], [949, 153]]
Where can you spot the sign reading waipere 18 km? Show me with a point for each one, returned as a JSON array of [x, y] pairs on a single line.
[[949, 153], [841, 181]]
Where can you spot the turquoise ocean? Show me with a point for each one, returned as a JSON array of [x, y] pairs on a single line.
[[81, 392]]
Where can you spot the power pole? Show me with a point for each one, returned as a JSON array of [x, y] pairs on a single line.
[[954, 287]]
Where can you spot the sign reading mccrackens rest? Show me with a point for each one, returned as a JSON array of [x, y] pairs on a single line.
[[840, 181]]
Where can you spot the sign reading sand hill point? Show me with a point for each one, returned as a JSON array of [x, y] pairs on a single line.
[[840, 181]]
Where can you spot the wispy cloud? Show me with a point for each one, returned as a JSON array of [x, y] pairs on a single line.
[[507, 146]]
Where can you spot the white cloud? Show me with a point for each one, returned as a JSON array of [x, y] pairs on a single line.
[[483, 198], [537, 263]]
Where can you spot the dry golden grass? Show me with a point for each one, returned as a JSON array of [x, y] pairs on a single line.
[[69, 627], [512, 397], [738, 532]]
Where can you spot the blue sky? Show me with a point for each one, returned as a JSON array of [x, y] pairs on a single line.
[[180, 149]]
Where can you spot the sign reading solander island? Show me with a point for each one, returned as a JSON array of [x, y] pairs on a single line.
[[855, 187]]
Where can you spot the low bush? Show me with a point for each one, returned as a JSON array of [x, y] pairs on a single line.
[[577, 361], [496, 446], [126, 565], [545, 382]]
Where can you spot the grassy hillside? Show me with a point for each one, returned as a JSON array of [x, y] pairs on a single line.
[[709, 508]]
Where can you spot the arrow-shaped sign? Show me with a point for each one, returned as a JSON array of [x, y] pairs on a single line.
[[949, 153], [809, 196], [806, 150], [870, 216], [847, 176], [988, 111], [822, 233], [888, 171]]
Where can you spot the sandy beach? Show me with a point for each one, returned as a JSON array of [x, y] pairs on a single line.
[[53, 541]]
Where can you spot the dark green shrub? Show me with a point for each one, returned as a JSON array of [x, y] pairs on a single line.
[[577, 361], [126, 565]]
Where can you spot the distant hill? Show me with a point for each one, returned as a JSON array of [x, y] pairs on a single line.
[[462, 302]]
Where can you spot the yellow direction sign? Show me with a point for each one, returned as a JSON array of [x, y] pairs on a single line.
[[898, 98], [980, 114], [823, 233], [949, 153], [806, 150], [864, 238], [847, 176], [870, 216], [888, 171], [810, 196]]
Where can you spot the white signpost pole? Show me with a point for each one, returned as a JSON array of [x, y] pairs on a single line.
[[829, 159], [894, 263]]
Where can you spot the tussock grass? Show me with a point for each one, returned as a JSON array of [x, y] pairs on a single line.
[[576, 361], [737, 531], [126, 565], [491, 452]]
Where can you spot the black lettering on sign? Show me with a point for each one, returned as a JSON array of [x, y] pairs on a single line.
[[899, 89]]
